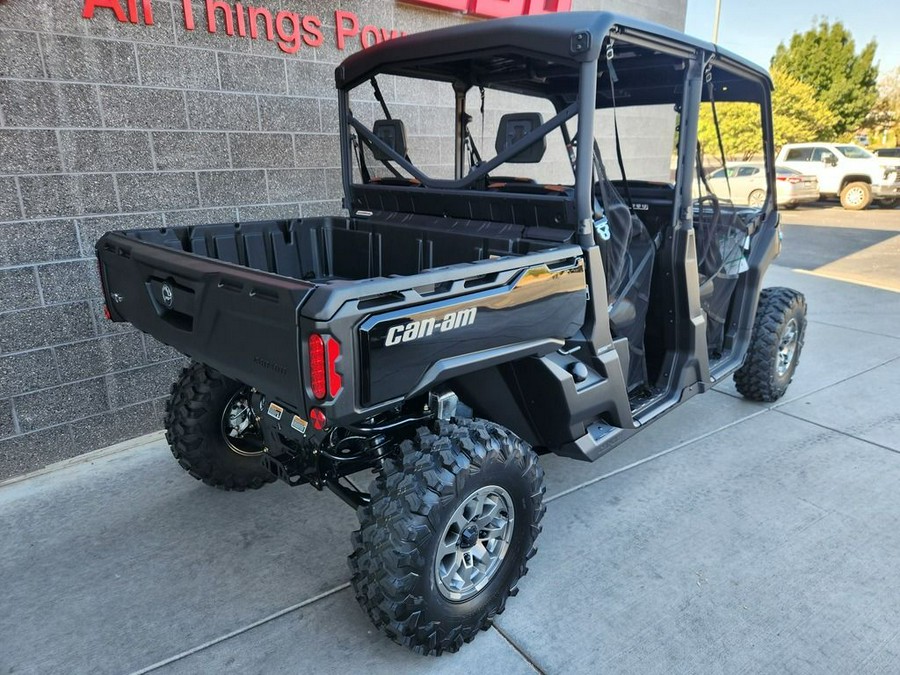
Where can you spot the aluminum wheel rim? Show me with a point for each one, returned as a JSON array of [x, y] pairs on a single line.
[[855, 196], [757, 199], [787, 347], [239, 427], [474, 543]]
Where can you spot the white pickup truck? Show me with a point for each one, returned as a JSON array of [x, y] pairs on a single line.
[[848, 171]]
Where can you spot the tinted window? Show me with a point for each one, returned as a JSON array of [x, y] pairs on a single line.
[[854, 152], [888, 152], [747, 171], [799, 155], [785, 171]]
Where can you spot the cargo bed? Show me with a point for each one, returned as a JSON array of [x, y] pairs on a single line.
[[234, 295]]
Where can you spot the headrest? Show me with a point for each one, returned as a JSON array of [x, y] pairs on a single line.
[[393, 134], [515, 126]]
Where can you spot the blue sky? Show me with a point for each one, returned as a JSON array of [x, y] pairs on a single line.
[[754, 28]]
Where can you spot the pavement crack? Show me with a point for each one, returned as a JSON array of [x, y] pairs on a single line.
[[239, 631], [855, 330], [633, 465], [519, 650], [838, 431]]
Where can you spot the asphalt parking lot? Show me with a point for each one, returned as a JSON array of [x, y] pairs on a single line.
[[728, 537]]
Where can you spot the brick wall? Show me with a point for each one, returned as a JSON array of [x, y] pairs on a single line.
[[107, 125]]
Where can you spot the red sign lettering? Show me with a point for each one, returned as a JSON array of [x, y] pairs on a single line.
[[115, 5], [292, 31], [346, 24], [497, 8]]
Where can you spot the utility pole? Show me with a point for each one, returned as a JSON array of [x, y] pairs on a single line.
[[716, 21]]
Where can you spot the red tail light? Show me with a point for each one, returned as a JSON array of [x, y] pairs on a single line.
[[317, 365], [324, 351], [790, 179], [334, 378], [318, 419]]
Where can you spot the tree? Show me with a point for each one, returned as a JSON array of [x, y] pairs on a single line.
[[797, 116], [885, 115], [825, 59]]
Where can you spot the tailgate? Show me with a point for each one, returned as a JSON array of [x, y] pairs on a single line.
[[241, 321]]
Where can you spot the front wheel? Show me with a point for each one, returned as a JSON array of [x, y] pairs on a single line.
[[856, 196], [446, 536], [888, 203], [775, 345]]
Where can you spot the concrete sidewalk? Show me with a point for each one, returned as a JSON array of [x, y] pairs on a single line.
[[727, 537]]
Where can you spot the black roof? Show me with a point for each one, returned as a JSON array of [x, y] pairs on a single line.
[[547, 35]]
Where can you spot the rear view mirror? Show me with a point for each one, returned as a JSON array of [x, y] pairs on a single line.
[[514, 127], [393, 134]]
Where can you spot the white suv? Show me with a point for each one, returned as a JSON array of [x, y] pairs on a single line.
[[853, 173]]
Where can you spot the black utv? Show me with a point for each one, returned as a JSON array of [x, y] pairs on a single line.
[[476, 306]]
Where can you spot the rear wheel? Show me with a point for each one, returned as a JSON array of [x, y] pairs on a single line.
[[888, 203], [856, 196], [447, 534], [213, 432], [775, 345]]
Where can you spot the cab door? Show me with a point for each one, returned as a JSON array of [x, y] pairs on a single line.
[[825, 166]]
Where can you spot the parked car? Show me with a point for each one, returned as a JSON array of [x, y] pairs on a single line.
[[888, 152], [747, 182], [847, 171]]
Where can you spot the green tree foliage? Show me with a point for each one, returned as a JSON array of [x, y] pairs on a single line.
[[740, 127], [798, 116], [825, 59]]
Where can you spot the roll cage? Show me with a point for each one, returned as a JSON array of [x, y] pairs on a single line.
[[588, 61]]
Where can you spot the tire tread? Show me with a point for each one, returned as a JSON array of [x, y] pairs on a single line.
[[756, 378], [405, 514]]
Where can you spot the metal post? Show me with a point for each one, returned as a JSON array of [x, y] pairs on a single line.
[[584, 165], [459, 141], [716, 21]]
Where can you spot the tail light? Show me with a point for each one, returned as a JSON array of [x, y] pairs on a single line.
[[334, 377], [318, 419], [324, 352], [317, 365], [790, 179]]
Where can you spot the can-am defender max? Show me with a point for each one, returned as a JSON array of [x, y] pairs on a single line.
[[459, 322]]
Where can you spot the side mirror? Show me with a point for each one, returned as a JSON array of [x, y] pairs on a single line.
[[830, 160]]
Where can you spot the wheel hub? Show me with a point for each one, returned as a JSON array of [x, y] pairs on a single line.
[[469, 537], [787, 347], [239, 426], [474, 543], [855, 196]]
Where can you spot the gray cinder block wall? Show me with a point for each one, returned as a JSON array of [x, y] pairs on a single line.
[[108, 125]]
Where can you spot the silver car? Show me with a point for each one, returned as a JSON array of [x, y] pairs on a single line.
[[748, 185]]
